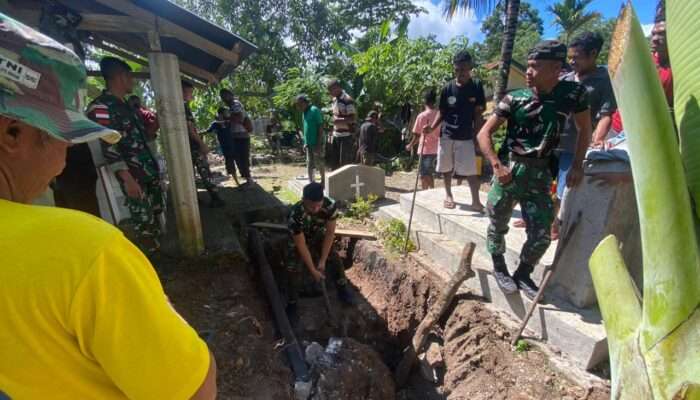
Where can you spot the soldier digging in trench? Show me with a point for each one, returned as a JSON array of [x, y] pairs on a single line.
[[312, 225]]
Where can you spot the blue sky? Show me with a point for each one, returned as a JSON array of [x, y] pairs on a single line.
[[433, 22]]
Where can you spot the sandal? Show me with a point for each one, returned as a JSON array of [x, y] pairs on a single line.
[[478, 209], [520, 223], [449, 204]]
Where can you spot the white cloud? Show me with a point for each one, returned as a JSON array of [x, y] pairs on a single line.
[[434, 23], [647, 29]]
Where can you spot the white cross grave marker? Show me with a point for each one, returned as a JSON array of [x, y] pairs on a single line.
[[357, 185]]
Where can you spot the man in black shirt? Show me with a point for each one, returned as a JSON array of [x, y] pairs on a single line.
[[462, 102], [368, 139]]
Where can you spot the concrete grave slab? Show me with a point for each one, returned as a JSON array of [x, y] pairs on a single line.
[[605, 210], [355, 180]]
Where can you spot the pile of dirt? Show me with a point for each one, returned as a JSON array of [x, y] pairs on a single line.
[[479, 362], [226, 307], [224, 302]]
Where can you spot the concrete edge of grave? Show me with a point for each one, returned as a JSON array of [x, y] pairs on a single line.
[[464, 224], [565, 328]]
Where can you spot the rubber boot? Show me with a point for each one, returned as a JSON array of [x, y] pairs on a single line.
[[524, 282], [500, 272]]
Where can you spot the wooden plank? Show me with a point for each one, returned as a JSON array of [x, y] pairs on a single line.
[[354, 234], [112, 23], [140, 49], [166, 27]]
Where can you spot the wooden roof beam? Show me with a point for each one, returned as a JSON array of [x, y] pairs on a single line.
[[112, 23], [167, 28], [193, 71]]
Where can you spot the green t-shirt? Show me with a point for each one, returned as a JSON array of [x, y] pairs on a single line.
[[535, 123], [312, 120]]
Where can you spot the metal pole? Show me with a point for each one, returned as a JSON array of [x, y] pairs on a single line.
[[413, 202]]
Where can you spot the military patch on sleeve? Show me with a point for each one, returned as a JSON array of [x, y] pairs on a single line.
[[100, 114]]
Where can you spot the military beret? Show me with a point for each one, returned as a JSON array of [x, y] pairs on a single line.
[[548, 50], [313, 191]]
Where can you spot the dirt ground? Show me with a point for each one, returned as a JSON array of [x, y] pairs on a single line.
[[224, 301]]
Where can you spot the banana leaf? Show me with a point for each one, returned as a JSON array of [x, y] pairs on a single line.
[[683, 38], [655, 349]]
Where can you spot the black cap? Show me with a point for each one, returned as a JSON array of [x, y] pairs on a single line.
[[313, 191], [548, 50]]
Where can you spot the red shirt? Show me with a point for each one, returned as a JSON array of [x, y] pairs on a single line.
[[150, 121], [666, 78]]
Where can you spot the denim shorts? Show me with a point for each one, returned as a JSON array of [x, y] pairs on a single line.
[[427, 165]]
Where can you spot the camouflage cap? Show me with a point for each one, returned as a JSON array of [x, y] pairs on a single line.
[[40, 80], [548, 50]]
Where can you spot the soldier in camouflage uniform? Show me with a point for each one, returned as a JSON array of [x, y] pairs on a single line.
[[536, 117], [312, 225], [199, 150], [130, 159]]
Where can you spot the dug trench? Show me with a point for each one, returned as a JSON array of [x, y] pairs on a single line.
[[469, 355]]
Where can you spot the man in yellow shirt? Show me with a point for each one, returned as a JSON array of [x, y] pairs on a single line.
[[82, 312]]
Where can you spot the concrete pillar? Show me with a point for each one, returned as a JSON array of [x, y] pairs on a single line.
[[165, 77]]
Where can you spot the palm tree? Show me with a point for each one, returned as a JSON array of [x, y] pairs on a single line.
[[571, 15], [481, 7]]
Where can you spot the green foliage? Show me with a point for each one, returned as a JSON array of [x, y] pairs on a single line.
[[361, 208], [398, 71], [522, 346], [393, 235], [530, 28], [570, 16], [299, 81]]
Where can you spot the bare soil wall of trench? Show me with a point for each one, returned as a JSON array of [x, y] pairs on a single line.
[[225, 302]]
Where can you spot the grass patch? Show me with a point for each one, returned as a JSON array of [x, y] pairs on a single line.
[[393, 234], [361, 208], [287, 196], [522, 346]]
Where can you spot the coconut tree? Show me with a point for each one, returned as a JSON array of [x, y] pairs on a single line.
[[482, 7], [571, 15]]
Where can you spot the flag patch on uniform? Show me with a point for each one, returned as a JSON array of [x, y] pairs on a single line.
[[100, 114]]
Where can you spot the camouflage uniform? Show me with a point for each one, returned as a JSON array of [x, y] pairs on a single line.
[[199, 161], [313, 227], [534, 126], [133, 154]]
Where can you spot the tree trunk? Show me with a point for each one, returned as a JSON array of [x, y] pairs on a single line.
[[512, 12]]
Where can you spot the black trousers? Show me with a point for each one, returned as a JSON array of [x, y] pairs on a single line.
[[241, 155]]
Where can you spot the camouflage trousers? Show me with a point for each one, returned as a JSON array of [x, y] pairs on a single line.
[[201, 166], [299, 279], [145, 212], [531, 188]]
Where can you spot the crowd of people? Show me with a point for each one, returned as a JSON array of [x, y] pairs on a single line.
[[84, 314]]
